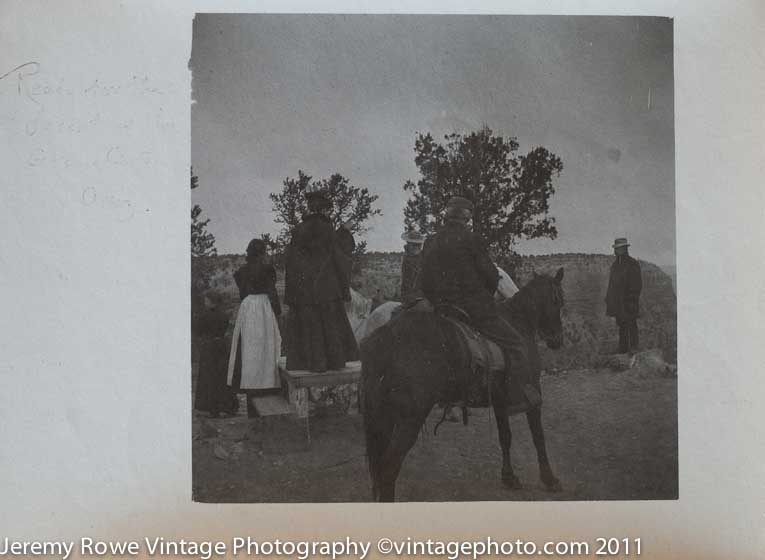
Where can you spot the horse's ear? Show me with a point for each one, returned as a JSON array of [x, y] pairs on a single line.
[[559, 274]]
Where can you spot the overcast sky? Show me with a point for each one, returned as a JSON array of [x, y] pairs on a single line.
[[278, 93]]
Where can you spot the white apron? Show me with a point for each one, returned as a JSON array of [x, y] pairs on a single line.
[[261, 344]]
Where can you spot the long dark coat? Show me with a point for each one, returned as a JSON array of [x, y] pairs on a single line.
[[317, 282], [624, 286], [456, 268], [319, 259], [212, 392]]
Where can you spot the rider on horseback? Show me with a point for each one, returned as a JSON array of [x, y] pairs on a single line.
[[457, 273]]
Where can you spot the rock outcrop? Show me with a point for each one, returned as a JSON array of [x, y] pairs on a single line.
[[588, 333]]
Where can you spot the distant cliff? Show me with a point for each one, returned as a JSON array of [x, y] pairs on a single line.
[[589, 334], [588, 331]]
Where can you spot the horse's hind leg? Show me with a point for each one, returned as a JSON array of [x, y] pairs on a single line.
[[403, 438], [505, 440], [534, 416]]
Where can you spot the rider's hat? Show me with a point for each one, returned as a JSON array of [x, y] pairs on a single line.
[[620, 242], [316, 192], [460, 202]]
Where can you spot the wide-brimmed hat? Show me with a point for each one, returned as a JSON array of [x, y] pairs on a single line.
[[314, 191], [620, 242], [317, 198], [460, 202], [412, 236]]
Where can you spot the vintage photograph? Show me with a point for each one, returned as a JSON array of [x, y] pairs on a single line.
[[432, 258]]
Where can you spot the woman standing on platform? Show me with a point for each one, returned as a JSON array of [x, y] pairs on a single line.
[[317, 284], [256, 342]]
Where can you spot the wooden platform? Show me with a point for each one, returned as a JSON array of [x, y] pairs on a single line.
[[351, 373], [298, 382], [272, 405]]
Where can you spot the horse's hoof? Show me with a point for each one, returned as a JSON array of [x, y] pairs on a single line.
[[512, 482]]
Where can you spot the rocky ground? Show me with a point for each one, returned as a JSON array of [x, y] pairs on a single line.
[[612, 435]]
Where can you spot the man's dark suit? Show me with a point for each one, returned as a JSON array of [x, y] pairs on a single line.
[[623, 300]]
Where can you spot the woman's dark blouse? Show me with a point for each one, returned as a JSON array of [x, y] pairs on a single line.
[[258, 278]]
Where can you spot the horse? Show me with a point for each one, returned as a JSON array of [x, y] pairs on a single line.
[[364, 320], [357, 310], [407, 366], [375, 319]]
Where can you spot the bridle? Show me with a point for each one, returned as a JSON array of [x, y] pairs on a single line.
[[557, 302]]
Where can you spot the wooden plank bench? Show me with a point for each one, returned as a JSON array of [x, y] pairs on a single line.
[[272, 405], [299, 381]]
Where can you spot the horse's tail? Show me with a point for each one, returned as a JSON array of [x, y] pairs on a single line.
[[376, 352]]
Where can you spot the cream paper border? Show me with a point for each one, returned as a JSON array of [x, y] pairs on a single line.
[[94, 390]]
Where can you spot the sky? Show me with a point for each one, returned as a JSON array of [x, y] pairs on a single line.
[[274, 94]]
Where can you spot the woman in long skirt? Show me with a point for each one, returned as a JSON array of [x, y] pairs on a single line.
[[317, 285], [210, 323], [256, 342]]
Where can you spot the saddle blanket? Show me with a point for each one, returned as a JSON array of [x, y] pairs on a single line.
[[484, 354]]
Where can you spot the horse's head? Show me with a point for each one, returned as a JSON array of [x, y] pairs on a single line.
[[547, 297]]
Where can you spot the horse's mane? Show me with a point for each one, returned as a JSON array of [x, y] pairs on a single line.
[[520, 308], [524, 294]]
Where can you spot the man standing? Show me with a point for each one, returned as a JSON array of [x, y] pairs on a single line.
[[457, 270], [317, 283], [410, 266], [623, 296]]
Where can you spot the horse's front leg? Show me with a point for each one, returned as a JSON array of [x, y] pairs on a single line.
[[505, 440], [404, 436], [534, 416]]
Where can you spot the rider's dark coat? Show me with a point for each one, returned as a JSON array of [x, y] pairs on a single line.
[[457, 269]]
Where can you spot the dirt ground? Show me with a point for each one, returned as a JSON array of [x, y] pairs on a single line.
[[610, 436]]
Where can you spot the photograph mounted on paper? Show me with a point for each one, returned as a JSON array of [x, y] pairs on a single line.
[[433, 258]]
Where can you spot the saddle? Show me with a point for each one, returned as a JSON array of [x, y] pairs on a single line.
[[483, 354], [479, 358]]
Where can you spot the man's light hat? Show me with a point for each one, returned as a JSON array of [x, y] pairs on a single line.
[[620, 242], [412, 236]]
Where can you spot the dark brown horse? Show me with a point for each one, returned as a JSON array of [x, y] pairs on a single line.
[[411, 363]]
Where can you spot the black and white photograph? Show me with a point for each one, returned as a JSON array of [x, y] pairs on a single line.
[[433, 258], [417, 278]]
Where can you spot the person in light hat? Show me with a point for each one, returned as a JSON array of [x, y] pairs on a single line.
[[457, 271], [623, 295], [410, 265]]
